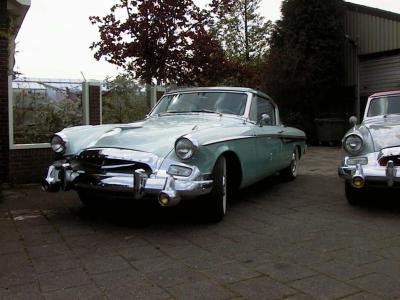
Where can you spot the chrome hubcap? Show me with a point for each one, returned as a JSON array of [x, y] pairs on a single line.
[[224, 188], [294, 163]]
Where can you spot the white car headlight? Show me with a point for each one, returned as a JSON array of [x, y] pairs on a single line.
[[58, 144], [353, 144], [185, 148]]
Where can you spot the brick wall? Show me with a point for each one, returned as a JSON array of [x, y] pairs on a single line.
[[94, 104], [3, 93], [29, 165]]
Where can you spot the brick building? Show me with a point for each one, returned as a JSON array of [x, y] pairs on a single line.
[[12, 13]]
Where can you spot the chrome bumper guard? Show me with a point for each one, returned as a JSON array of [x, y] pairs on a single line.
[[389, 174], [61, 176]]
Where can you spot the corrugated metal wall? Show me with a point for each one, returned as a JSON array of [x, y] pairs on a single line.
[[372, 34], [379, 75]]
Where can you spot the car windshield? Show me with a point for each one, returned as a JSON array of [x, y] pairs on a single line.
[[384, 106], [208, 102]]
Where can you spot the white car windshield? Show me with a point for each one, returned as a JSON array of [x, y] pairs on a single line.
[[208, 102], [384, 106]]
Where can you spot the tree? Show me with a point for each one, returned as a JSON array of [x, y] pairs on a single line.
[[159, 41], [305, 63], [123, 100], [241, 30]]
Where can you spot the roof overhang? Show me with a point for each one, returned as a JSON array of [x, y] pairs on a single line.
[[373, 11], [17, 9]]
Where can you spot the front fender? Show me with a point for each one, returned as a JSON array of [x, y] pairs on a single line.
[[80, 137], [368, 144], [204, 158], [207, 155]]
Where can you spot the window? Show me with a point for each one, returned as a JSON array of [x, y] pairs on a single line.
[[39, 108], [384, 106], [261, 106], [222, 102]]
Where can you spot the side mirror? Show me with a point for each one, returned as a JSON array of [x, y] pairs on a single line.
[[264, 119], [353, 120]]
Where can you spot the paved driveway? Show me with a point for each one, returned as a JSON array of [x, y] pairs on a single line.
[[297, 240]]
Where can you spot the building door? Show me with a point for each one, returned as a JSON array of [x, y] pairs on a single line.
[[379, 74]]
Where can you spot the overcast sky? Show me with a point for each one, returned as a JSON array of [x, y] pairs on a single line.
[[55, 37]]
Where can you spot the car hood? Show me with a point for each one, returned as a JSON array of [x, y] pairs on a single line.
[[158, 134], [385, 132]]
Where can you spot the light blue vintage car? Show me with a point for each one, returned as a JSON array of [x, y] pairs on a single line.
[[201, 142], [371, 150]]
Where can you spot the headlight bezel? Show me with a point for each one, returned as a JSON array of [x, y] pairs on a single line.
[[178, 170], [58, 143], [191, 146], [346, 143]]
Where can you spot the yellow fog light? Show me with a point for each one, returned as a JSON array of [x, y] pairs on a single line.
[[163, 199], [358, 182]]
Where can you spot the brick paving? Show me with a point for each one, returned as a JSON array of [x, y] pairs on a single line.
[[297, 240]]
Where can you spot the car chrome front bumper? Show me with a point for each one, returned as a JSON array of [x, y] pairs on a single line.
[[60, 175], [370, 173]]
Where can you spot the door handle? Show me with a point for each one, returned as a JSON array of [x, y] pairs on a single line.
[[281, 131]]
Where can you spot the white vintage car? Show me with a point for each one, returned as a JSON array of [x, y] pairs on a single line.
[[371, 150]]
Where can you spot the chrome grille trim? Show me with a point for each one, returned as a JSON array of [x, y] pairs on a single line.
[[111, 158], [392, 154]]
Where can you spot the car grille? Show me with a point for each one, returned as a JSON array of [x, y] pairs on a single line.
[[395, 158], [94, 161]]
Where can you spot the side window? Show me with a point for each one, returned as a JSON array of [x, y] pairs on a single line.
[[261, 106]]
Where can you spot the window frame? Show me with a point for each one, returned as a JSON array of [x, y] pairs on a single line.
[[272, 103], [12, 145], [244, 115]]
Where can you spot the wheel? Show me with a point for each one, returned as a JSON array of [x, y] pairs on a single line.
[[290, 173], [353, 195], [218, 196], [86, 198]]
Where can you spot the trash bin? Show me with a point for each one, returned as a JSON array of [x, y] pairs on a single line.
[[330, 130]]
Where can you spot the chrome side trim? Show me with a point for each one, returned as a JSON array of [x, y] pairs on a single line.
[[285, 138], [230, 138], [118, 166], [282, 136]]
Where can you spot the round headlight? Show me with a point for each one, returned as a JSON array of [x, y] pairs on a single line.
[[353, 144], [58, 144], [185, 148]]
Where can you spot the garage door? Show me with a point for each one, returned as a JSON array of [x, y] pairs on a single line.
[[379, 75]]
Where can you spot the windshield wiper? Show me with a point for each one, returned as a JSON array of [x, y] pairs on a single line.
[[208, 111], [190, 111], [173, 112], [390, 114]]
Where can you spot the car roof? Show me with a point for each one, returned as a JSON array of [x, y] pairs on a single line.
[[385, 94], [222, 89]]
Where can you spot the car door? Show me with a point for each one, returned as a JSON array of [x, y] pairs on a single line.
[[268, 136]]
